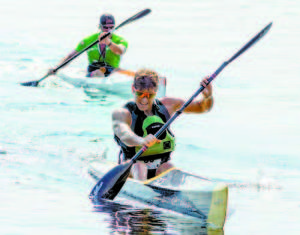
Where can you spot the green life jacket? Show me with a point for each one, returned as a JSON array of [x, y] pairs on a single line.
[[151, 125], [143, 125]]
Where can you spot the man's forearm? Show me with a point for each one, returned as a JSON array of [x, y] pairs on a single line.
[[126, 135], [68, 57], [208, 102], [115, 48]]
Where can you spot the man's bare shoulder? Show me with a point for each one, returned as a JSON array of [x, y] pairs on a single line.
[[122, 115], [171, 103]]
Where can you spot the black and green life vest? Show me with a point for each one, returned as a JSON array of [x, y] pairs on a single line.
[[143, 125]]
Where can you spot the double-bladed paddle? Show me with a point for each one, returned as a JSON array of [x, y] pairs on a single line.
[[112, 182], [131, 19]]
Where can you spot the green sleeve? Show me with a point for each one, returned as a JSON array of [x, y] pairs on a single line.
[[86, 42]]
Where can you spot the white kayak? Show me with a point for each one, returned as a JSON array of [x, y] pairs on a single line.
[[178, 191], [116, 84]]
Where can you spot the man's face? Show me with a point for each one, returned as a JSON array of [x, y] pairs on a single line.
[[144, 98], [107, 27]]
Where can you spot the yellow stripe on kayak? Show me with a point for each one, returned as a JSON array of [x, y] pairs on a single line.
[[218, 207], [159, 176]]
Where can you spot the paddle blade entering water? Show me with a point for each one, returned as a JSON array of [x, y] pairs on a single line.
[[35, 83], [32, 83], [111, 183]]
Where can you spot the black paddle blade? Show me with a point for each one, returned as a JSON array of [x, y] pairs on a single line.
[[141, 14], [135, 17], [32, 83], [254, 40], [111, 183]]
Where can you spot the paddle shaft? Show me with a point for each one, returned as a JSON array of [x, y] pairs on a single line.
[[125, 72], [211, 77]]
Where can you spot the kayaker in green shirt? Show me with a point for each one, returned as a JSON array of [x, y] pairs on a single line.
[[105, 56]]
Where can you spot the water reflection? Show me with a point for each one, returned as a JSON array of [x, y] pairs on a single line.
[[104, 99], [127, 219], [101, 95]]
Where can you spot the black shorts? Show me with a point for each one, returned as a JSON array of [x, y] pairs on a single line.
[[105, 68], [165, 157]]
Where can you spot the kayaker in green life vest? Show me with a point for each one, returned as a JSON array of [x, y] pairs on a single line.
[[135, 124], [105, 56]]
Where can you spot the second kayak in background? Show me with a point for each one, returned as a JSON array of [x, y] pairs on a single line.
[[119, 83]]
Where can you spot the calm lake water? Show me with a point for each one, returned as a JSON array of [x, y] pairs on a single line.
[[250, 137]]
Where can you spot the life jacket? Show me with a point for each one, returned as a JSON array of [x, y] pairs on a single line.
[[143, 125]]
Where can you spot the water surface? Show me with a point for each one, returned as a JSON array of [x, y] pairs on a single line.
[[249, 139]]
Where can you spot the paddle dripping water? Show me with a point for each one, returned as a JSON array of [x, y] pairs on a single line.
[[112, 182]]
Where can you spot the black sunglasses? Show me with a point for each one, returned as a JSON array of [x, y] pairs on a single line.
[[107, 27]]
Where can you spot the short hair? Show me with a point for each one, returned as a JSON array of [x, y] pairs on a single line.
[[145, 79]]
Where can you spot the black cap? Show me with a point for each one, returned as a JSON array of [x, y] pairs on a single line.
[[107, 19]]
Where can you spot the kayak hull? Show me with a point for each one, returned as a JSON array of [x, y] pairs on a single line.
[[177, 191]]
